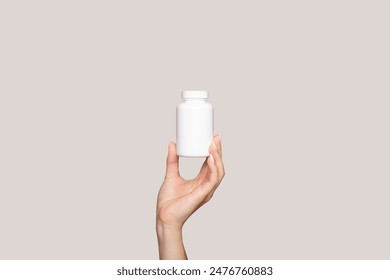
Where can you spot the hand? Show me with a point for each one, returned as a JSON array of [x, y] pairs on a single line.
[[178, 198]]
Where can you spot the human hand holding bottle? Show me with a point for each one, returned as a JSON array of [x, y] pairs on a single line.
[[178, 198]]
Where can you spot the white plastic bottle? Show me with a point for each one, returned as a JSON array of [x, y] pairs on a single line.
[[194, 125]]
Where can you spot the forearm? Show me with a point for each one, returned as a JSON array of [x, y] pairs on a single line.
[[170, 242]]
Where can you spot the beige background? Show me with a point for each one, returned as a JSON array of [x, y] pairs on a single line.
[[301, 91]]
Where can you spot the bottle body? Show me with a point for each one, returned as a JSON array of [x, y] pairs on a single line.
[[194, 127]]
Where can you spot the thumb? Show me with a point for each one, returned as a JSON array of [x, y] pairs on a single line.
[[172, 162]]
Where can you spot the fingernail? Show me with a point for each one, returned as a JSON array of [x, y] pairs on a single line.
[[220, 137], [214, 146], [212, 158]]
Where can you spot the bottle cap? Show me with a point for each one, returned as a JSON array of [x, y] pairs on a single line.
[[189, 94]]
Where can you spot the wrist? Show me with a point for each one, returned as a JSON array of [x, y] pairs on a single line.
[[170, 241], [168, 228]]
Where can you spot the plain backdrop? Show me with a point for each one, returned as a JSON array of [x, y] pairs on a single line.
[[88, 91]]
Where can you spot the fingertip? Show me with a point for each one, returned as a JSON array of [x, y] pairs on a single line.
[[172, 145], [169, 148], [172, 168], [172, 151], [213, 169], [218, 143], [211, 161], [213, 150]]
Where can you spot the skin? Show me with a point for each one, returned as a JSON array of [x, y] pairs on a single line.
[[178, 199]]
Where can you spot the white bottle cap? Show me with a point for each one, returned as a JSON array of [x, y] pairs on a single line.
[[189, 94]]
